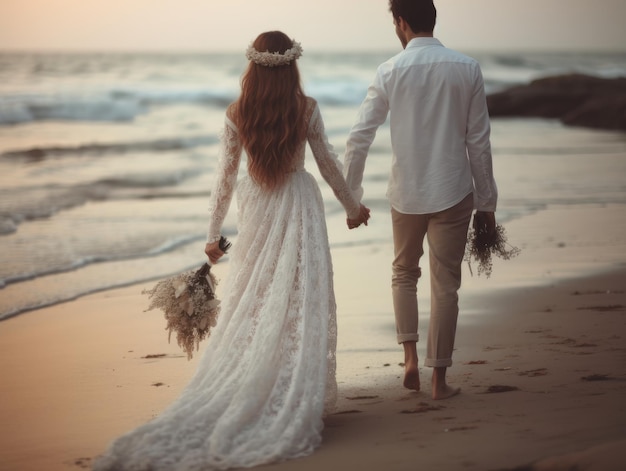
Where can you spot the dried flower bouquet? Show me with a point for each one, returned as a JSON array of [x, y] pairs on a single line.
[[189, 304]]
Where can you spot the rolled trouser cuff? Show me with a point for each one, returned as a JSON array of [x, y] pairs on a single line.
[[438, 363], [408, 338]]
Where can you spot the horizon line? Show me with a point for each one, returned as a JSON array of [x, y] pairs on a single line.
[[59, 50]]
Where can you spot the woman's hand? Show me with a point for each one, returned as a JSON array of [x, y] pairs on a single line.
[[213, 251]]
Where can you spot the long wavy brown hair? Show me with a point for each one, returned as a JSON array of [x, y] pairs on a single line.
[[270, 114]]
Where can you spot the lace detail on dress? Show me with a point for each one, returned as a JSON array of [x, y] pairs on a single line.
[[225, 179], [267, 374]]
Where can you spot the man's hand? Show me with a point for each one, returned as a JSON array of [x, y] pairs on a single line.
[[488, 220], [364, 215]]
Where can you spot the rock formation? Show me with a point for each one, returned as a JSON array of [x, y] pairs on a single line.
[[576, 100]]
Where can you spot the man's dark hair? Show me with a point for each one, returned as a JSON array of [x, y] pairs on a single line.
[[421, 15]]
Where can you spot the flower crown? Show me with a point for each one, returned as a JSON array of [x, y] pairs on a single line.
[[274, 59]]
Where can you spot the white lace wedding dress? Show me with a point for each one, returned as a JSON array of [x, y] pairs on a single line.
[[268, 371]]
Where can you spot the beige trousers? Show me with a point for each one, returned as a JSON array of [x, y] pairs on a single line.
[[446, 232]]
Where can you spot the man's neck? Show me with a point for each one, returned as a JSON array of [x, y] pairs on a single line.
[[412, 35]]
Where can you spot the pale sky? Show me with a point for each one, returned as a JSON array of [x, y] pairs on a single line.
[[216, 25]]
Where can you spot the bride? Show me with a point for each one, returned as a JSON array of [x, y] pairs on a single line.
[[267, 375]]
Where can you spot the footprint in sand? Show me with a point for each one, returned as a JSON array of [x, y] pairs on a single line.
[[597, 377], [421, 408], [533, 373], [499, 388]]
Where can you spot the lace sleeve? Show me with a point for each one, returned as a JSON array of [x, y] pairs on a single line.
[[225, 180], [329, 165]]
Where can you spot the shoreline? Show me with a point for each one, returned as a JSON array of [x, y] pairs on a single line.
[[78, 374]]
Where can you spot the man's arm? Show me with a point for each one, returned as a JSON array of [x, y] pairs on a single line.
[[479, 148], [372, 113]]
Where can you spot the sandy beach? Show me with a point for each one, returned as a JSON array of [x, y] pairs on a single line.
[[540, 357]]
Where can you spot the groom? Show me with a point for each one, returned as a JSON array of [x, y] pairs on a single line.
[[441, 170]]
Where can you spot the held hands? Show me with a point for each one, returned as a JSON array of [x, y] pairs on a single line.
[[364, 215]]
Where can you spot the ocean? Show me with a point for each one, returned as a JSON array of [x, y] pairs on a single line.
[[107, 160]]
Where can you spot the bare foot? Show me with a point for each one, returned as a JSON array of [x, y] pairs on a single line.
[[445, 392], [411, 377], [441, 389], [411, 370]]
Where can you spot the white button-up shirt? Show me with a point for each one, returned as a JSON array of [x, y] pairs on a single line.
[[439, 130]]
